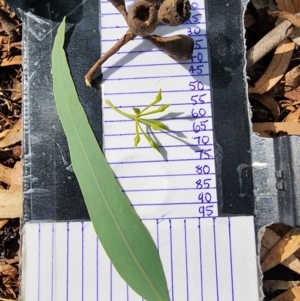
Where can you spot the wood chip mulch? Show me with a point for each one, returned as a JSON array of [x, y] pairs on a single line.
[[10, 151], [273, 69], [9, 258], [280, 262]]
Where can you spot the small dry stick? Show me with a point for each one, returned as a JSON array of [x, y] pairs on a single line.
[[128, 36], [269, 42]]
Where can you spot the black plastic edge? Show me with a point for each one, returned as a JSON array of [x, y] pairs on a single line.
[[51, 191], [230, 107]]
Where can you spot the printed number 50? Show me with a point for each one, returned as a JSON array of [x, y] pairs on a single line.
[[196, 85]]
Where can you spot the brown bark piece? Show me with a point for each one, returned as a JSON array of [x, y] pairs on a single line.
[[276, 69], [8, 25], [16, 60], [295, 36], [11, 203], [12, 136], [292, 84], [8, 270], [284, 248], [293, 116], [17, 90], [294, 19], [291, 128], [269, 239], [290, 295], [292, 78], [274, 285], [3, 222], [269, 102], [11, 199], [292, 263], [293, 94], [291, 6]]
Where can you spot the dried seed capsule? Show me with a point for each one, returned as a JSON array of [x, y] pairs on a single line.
[[120, 6], [174, 12], [142, 18], [155, 3], [179, 47]]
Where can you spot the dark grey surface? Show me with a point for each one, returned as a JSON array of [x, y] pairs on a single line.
[[276, 169], [51, 191], [230, 107]]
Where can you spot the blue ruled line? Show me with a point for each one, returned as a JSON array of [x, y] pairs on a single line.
[[186, 262], [157, 76], [39, 261], [161, 25], [163, 175], [139, 38], [150, 50], [111, 282], [175, 118], [216, 260], [155, 92], [97, 269], [153, 161], [159, 146], [195, 216], [231, 259], [165, 189], [200, 259], [175, 204], [158, 133], [136, 51], [171, 258], [143, 106], [151, 65]]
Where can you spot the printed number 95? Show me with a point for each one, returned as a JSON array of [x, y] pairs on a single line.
[[206, 211]]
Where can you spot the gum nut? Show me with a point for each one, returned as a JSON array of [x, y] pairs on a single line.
[[174, 12], [179, 47], [156, 3], [117, 3], [142, 18]]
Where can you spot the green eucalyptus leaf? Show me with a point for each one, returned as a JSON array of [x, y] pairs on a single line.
[[150, 140], [124, 237], [137, 140], [137, 111], [120, 111], [158, 98], [137, 134], [163, 108], [154, 145], [159, 126], [158, 110]]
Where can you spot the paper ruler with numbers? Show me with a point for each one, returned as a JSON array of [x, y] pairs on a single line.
[[180, 181], [181, 193]]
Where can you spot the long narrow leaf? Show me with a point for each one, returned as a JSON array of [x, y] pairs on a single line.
[[124, 237]]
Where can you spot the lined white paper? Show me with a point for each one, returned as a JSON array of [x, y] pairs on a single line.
[[179, 182], [204, 259]]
